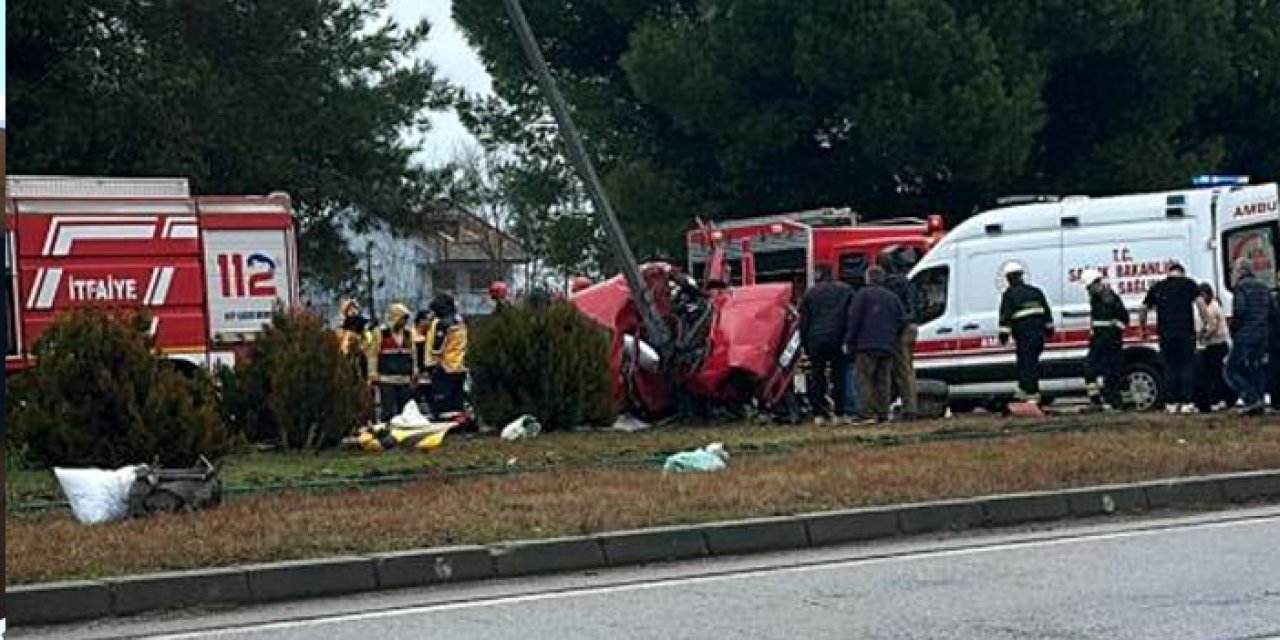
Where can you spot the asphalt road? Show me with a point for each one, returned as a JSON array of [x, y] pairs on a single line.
[[1197, 577]]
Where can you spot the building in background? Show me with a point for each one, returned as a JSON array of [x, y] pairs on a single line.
[[459, 253]]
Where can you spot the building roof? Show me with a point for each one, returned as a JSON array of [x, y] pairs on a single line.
[[462, 236]]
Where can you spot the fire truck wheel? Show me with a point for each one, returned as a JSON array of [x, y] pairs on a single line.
[[931, 398]]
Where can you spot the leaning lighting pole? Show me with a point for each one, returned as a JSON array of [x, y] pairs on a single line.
[[655, 331]]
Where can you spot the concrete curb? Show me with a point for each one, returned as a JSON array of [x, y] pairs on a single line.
[[63, 602]]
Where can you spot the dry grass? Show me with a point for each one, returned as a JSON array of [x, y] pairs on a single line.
[[486, 509], [466, 453]]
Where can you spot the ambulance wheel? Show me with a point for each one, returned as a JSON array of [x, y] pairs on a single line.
[[1145, 384], [931, 399]]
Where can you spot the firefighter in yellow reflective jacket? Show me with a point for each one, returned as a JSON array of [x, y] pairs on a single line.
[[1026, 317], [1108, 319], [447, 352], [395, 364], [355, 335]]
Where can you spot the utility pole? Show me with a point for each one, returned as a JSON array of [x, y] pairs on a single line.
[[369, 280], [656, 333]]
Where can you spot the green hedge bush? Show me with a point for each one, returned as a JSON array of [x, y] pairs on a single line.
[[545, 360], [294, 387], [99, 396]]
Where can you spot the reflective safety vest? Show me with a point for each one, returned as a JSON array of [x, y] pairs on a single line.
[[395, 358], [1023, 310], [447, 344], [1108, 317]]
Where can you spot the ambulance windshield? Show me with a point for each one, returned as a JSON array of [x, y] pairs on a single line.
[[931, 285]]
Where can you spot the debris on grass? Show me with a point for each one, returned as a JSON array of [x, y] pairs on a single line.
[[813, 476]]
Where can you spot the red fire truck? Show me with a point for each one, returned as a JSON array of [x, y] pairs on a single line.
[[209, 270], [790, 247]]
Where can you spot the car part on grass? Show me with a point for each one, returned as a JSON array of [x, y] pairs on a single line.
[[160, 490]]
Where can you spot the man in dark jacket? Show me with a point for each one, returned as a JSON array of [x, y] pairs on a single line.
[[824, 314], [1026, 317], [876, 320], [1273, 380], [1251, 317], [904, 371]]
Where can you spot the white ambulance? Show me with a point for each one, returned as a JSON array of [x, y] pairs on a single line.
[[1131, 239]]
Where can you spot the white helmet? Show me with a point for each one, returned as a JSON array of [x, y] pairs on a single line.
[[1090, 276], [1011, 268]]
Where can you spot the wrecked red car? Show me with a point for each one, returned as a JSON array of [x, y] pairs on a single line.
[[729, 348]]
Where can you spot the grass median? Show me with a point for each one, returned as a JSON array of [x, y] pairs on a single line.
[[815, 475], [464, 455]]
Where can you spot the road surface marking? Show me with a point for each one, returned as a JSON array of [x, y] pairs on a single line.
[[575, 592]]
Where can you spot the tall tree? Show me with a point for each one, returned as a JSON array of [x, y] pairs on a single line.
[[729, 107], [240, 96]]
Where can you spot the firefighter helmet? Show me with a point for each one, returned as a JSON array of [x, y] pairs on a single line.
[[398, 313], [1011, 268], [498, 290], [579, 283], [1090, 276]]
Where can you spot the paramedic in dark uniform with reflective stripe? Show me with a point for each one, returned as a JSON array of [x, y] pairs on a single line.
[[1108, 319], [1025, 316]]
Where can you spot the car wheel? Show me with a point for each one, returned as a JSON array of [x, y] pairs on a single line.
[[1145, 385], [931, 398]]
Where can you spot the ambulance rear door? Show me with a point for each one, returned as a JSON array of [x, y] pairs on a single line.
[[1249, 228]]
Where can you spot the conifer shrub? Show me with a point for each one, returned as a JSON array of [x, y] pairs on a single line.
[[294, 387], [99, 396], [546, 360]]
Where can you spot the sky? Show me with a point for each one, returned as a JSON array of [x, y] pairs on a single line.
[[455, 61]]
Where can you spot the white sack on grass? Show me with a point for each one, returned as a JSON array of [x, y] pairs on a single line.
[[525, 426], [97, 495], [410, 417]]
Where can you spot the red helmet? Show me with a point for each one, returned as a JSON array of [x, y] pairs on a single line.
[[498, 290], [579, 283]]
